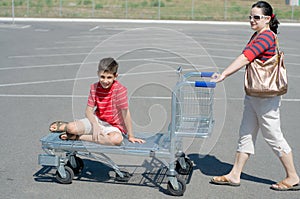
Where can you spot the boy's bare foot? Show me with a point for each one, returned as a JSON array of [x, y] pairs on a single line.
[[58, 127], [68, 136]]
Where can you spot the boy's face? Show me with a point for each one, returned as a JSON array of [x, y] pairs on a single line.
[[106, 79]]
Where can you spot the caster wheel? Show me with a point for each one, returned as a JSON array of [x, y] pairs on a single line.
[[126, 177], [187, 169], [79, 165], [180, 190], [69, 176]]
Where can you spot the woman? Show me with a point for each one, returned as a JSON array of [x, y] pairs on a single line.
[[259, 113]]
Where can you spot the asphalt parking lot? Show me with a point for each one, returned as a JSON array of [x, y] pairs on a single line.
[[46, 68]]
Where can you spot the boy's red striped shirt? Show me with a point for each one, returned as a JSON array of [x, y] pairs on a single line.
[[109, 103]]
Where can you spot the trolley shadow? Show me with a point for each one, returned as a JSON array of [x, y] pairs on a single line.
[[154, 174]]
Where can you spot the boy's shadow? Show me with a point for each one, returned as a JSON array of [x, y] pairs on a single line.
[[211, 166]]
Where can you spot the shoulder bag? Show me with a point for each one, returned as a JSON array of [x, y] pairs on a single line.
[[266, 79]]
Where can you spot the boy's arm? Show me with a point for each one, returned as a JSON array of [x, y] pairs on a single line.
[[89, 113], [127, 120]]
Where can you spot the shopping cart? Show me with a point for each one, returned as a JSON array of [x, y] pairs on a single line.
[[191, 116]]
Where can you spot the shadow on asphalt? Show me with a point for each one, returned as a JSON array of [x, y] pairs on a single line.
[[211, 166], [152, 173]]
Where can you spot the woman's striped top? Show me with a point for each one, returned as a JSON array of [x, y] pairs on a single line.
[[261, 46]]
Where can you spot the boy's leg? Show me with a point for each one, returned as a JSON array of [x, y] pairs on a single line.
[[112, 138], [76, 127], [108, 136]]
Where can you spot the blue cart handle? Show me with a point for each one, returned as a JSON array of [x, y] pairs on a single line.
[[198, 74], [207, 74], [205, 84]]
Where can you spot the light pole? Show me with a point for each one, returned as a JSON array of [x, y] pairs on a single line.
[[225, 10], [13, 11], [159, 9], [192, 9], [126, 9]]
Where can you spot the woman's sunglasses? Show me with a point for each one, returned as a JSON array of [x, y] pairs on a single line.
[[256, 17]]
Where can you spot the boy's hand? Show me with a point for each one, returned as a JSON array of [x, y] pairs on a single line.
[[96, 130], [134, 140]]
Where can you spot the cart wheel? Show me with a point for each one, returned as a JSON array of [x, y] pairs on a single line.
[[126, 177], [180, 190], [184, 171], [69, 176], [79, 165]]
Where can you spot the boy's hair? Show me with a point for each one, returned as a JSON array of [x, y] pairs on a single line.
[[108, 65]]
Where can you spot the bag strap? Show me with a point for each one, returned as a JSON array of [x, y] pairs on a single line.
[[277, 43]]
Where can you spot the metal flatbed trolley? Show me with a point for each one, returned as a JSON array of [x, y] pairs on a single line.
[[191, 116]]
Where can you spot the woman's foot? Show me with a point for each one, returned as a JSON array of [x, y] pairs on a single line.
[[288, 184], [224, 180], [58, 127], [282, 186]]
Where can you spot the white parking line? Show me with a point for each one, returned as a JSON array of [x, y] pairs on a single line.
[[43, 96], [14, 26], [41, 30], [46, 55], [132, 97], [65, 47], [95, 28], [43, 66], [20, 19]]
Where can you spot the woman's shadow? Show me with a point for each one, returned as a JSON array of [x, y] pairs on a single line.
[[211, 166]]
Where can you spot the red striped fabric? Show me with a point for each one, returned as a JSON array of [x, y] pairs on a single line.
[[109, 103], [262, 46]]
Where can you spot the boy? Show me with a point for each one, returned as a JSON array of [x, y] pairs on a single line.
[[111, 118]]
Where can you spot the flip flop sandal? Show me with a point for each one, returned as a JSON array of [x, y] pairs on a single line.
[[282, 186], [68, 136], [58, 125], [222, 180]]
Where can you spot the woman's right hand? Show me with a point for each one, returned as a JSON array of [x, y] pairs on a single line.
[[216, 77]]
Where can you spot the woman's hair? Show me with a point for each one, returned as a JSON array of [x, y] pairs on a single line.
[[268, 11], [108, 65]]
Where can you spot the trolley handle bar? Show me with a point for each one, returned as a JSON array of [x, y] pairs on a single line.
[[205, 84], [207, 74], [198, 74]]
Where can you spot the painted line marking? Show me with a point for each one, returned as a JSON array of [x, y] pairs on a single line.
[[41, 30], [95, 28], [44, 66], [20, 19], [14, 26], [132, 97]]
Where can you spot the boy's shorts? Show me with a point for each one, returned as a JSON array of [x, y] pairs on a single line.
[[107, 128]]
